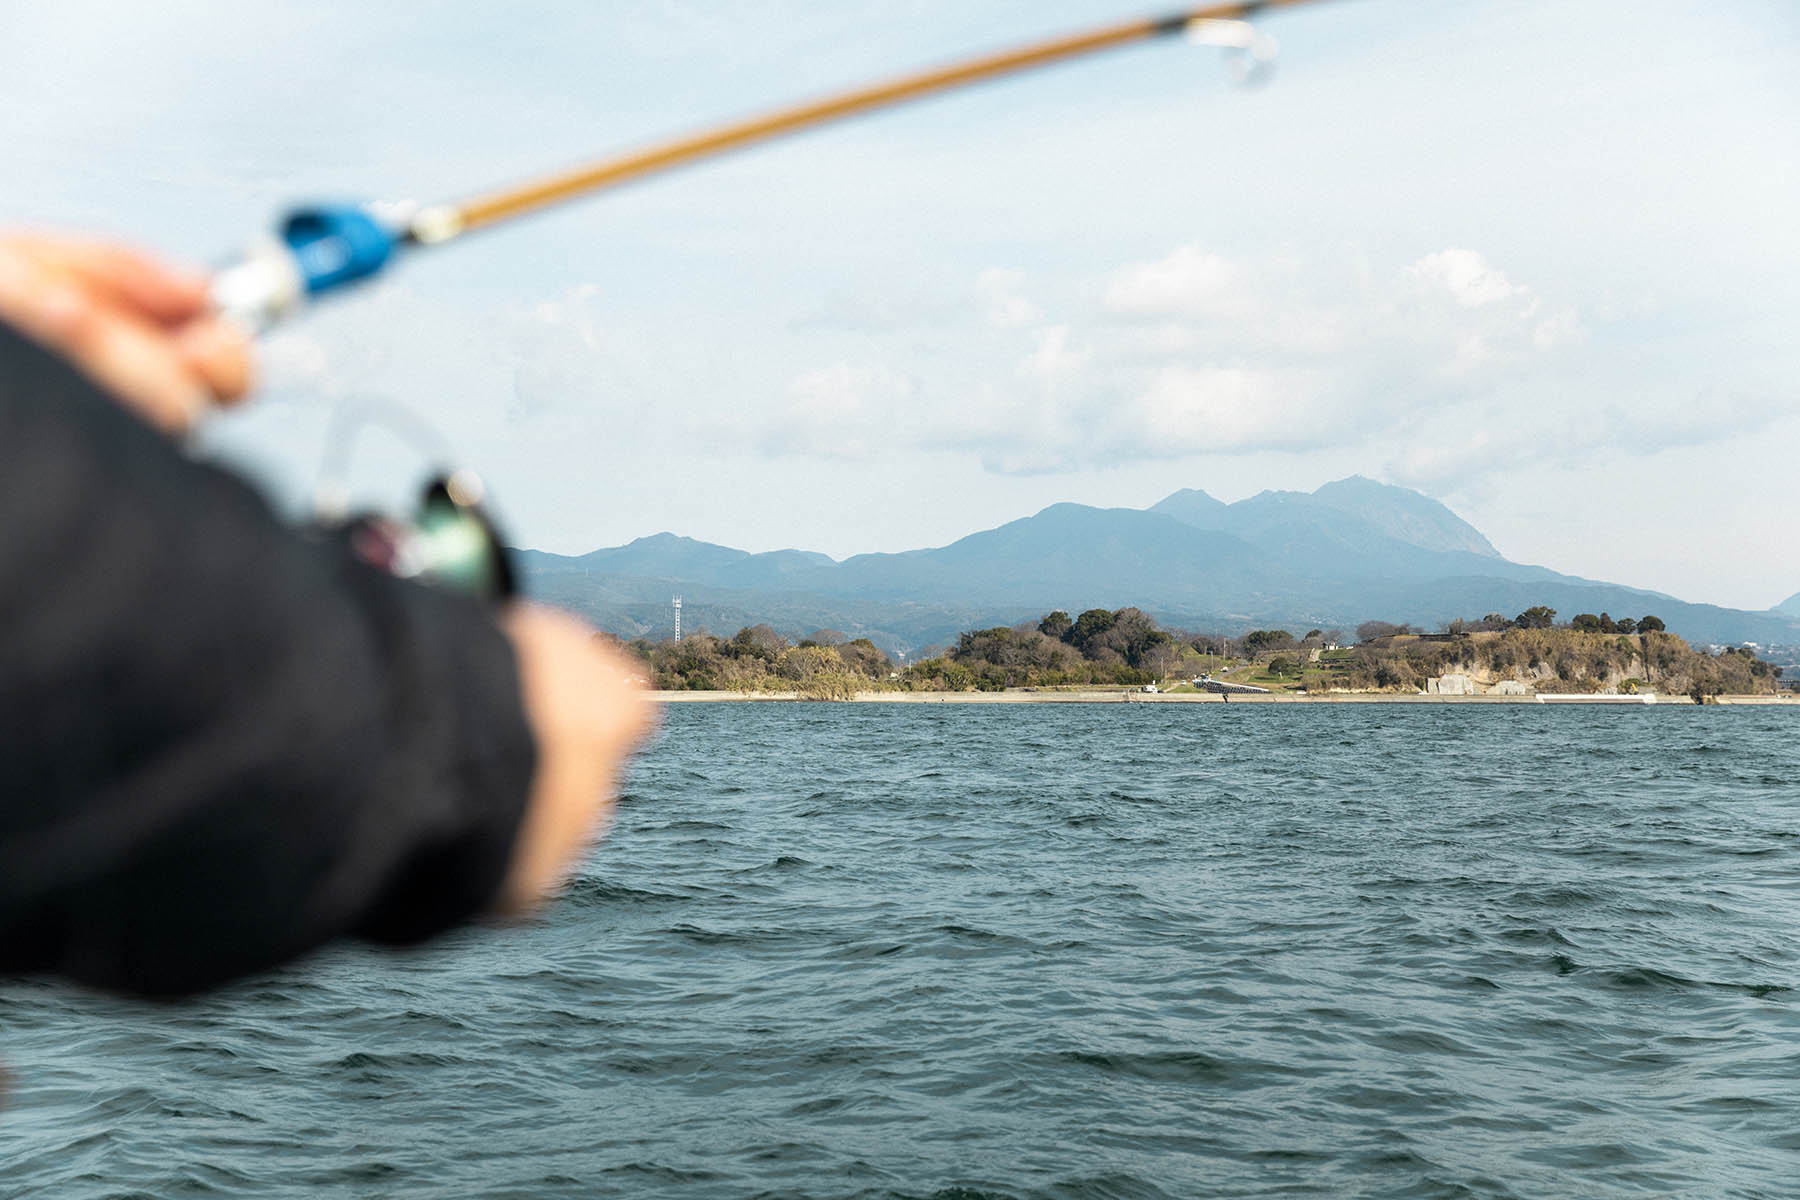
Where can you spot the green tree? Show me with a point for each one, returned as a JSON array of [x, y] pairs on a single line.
[[1627, 625], [1089, 626], [1150, 652], [1586, 623], [1536, 617], [865, 658], [1260, 641], [758, 641], [1056, 625], [1650, 625], [1133, 634]]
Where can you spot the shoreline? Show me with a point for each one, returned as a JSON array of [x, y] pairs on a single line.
[[1097, 696]]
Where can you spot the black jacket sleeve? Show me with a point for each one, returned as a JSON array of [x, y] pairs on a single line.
[[221, 743]]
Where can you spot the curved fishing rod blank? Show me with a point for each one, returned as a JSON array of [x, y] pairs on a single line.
[[324, 248]]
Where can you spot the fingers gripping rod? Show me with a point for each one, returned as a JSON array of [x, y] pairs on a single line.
[[321, 249]]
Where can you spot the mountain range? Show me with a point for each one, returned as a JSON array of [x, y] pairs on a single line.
[[1352, 551]]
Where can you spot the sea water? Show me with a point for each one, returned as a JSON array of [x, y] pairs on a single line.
[[1021, 951]]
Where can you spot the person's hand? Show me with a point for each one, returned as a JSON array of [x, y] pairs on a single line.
[[587, 712], [138, 328]]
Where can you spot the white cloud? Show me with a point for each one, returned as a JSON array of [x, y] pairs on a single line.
[[1003, 304], [1503, 435], [1198, 353], [1466, 325], [1440, 364], [1053, 361], [1465, 276], [1554, 330], [843, 411], [1190, 282], [1196, 410], [559, 354]]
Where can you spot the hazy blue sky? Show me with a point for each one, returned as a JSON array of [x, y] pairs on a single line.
[[1539, 259]]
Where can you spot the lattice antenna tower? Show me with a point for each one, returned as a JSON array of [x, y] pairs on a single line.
[[677, 603]]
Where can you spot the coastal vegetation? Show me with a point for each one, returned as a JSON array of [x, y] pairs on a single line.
[[822, 666], [1590, 653], [1531, 651], [1548, 660], [1099, 647], [1126, 648]]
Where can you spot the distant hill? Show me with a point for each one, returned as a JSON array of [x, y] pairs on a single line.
[[1352, 551], [1789, 607]]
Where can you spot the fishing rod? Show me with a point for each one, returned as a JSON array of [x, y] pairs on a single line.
[[326, 248]]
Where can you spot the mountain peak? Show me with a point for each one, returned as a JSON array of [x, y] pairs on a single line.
[[664, 554], [1404, 514], [664, 539], [1379, 509], [1064, 508], [1194, 507], [1360, 484], [1186, 496], [1789, 607]]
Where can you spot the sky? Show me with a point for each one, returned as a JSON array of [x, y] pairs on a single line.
[[1536, 259]]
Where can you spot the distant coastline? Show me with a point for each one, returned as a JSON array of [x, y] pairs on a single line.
[[1116, 656], [1121, 696]]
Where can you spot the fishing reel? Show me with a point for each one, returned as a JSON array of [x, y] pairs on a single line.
[[448, 540]]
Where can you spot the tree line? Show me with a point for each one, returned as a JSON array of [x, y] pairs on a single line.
[[824, 665], [1126, 647], [1100, 647], [1536, 617]]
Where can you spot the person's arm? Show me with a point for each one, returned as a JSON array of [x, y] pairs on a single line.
[[222, 744]]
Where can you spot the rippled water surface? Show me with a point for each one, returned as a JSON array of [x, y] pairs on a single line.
[[1060, 951]]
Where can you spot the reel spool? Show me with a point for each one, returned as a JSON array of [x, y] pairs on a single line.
[[449, 541]]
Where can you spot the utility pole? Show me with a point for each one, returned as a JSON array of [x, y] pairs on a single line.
[[677, 620]]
